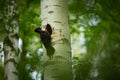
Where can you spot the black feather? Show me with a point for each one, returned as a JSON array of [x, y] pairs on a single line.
[[46, 40]]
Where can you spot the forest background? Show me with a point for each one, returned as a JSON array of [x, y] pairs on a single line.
[[95, 39]]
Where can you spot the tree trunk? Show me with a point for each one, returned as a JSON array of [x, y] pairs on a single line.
[[11, 50], [59, 67]]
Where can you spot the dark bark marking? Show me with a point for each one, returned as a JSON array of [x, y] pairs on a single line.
[[15, 36], [13, 61], [46, 6], [57, 59], [16, 73], [8, 41], [57, 21], [10, 54], [6, 77], [57, 5], [65, 41], [50, 11], [44, 19]]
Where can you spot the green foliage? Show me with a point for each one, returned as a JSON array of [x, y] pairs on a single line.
[[81, 67], [29, 19], [101, 23], [79, 7], [1, 71], [31, 64], [1, 20]]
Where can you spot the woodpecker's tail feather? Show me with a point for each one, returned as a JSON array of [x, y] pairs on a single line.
[[50, 51]]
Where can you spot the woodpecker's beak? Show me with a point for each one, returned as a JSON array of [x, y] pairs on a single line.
[[37, 30]]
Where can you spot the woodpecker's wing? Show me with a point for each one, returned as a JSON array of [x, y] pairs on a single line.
[[45, 38]]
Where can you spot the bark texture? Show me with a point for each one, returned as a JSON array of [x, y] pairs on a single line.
[[11, 49], [54, 13]]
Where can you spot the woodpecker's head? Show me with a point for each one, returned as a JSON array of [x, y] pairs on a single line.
[[38, 30]]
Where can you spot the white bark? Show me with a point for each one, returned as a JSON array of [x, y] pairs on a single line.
[[11, 40], [54, 12]]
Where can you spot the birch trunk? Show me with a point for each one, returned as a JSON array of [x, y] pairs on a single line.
[[11, 40], [54, 12]]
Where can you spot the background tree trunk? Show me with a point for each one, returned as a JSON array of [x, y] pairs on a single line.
[[11, 40], [54, 12]]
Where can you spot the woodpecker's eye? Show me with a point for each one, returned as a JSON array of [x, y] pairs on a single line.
[[49, 29]]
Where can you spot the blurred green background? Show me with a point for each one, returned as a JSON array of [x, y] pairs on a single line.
[[95, 39]]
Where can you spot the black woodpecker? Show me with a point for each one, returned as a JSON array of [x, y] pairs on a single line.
[[45, 37]]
